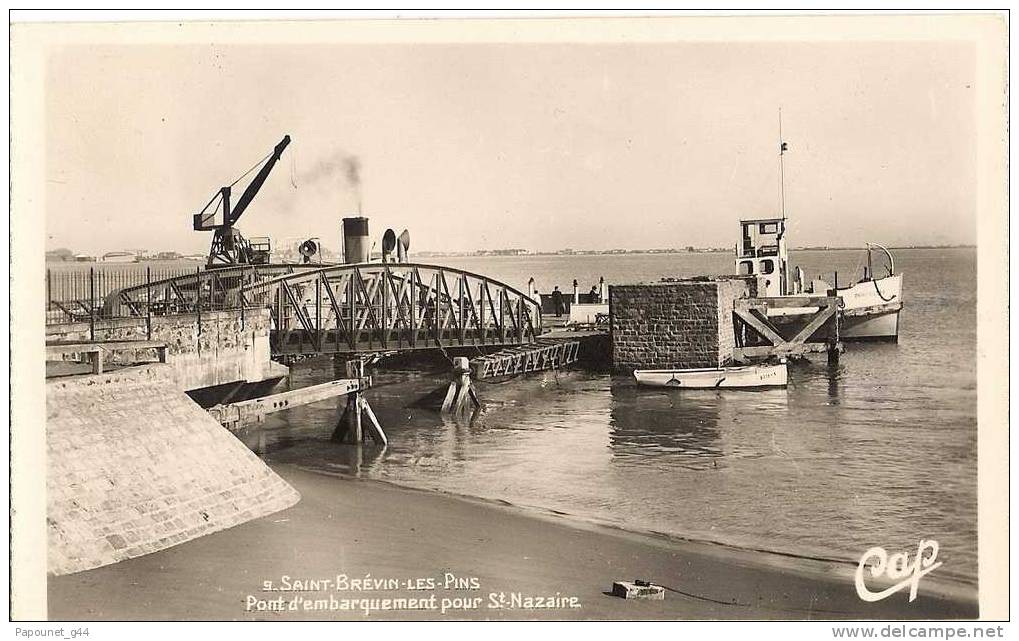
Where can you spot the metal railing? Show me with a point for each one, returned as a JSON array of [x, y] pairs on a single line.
[[76, 294]]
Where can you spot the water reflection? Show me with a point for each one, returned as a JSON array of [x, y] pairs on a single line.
[[693, 429], [835, 372], [649, 422]]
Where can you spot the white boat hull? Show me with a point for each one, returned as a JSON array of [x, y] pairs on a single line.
[[750, 376], [871, 327]]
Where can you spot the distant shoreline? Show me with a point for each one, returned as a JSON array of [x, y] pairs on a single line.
[[620, 252], [499, 253]]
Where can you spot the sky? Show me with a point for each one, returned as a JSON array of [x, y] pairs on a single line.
[[515, 145]]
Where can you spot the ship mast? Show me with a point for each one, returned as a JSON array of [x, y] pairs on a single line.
[[781, 163]]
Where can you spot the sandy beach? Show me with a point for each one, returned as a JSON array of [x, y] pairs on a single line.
[[356, 550]]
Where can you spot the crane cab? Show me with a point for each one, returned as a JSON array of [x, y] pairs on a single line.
[[762, 252]]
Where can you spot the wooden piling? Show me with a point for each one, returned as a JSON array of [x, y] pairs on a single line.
[[351, 427], [460, 395]]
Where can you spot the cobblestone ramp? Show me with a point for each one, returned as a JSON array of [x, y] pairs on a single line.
[[135, 466]]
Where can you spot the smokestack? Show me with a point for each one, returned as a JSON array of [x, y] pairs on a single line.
[[356, 246]]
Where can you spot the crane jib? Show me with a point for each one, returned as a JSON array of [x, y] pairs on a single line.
[[256, 183]]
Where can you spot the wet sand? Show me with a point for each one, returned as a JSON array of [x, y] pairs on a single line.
[[360, 528]]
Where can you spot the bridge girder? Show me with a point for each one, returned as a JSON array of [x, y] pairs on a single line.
[[351, 309]]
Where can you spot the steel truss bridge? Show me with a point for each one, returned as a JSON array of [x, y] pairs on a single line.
[[350, 309]]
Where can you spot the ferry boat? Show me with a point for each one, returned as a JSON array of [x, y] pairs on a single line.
[[745, 377], [872, 304]]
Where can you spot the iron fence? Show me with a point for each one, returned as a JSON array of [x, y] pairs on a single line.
[[77, 294]]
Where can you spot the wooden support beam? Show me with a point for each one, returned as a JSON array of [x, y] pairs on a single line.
[[236, 415], [762, 327], [820, 318], [741, 354]]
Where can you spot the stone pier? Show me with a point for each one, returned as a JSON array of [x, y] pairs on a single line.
[[675, 324]]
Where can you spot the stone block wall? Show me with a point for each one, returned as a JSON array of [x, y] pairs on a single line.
[[135, 466], [680, 324], [728, 291], [213, 349]]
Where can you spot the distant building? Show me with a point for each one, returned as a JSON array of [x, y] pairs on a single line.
[[60, 255], [119, 257], [502, 252]]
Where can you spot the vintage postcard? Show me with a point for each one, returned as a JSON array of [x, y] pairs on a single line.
[[525, 318]]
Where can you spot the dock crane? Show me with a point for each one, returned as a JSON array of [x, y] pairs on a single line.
[[229, 247]]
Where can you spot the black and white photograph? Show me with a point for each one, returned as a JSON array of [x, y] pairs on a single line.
[[537, 317]]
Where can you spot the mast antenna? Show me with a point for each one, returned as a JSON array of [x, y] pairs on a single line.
[[781, 163]]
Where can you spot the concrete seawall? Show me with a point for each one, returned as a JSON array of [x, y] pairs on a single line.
[[135, 466]]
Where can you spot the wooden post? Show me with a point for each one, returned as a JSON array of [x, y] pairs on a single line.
[[91, 303], [355, 434], [148, 303], [834, 344], [198, 300], [351, 428], [97, 360]]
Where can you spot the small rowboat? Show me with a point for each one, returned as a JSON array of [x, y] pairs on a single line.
[[748, 376]]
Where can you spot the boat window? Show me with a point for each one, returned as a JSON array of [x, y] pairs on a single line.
[[769, 228], [767, 266], [746, 268]]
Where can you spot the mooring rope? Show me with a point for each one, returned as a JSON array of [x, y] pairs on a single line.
[[703, 598], [882, 296]]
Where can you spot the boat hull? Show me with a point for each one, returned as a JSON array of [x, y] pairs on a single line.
[[871, 327], [748, 377]]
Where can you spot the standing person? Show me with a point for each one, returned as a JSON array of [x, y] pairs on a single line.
[[594, 294], [557, 302]]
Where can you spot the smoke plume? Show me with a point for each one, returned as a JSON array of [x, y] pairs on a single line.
[[342, 165]]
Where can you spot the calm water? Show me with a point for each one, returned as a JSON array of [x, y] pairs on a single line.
[[878, 451]]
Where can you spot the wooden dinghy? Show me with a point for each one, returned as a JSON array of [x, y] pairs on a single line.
[[746, 377]]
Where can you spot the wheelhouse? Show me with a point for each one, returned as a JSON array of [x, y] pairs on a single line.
[[762, 252]]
